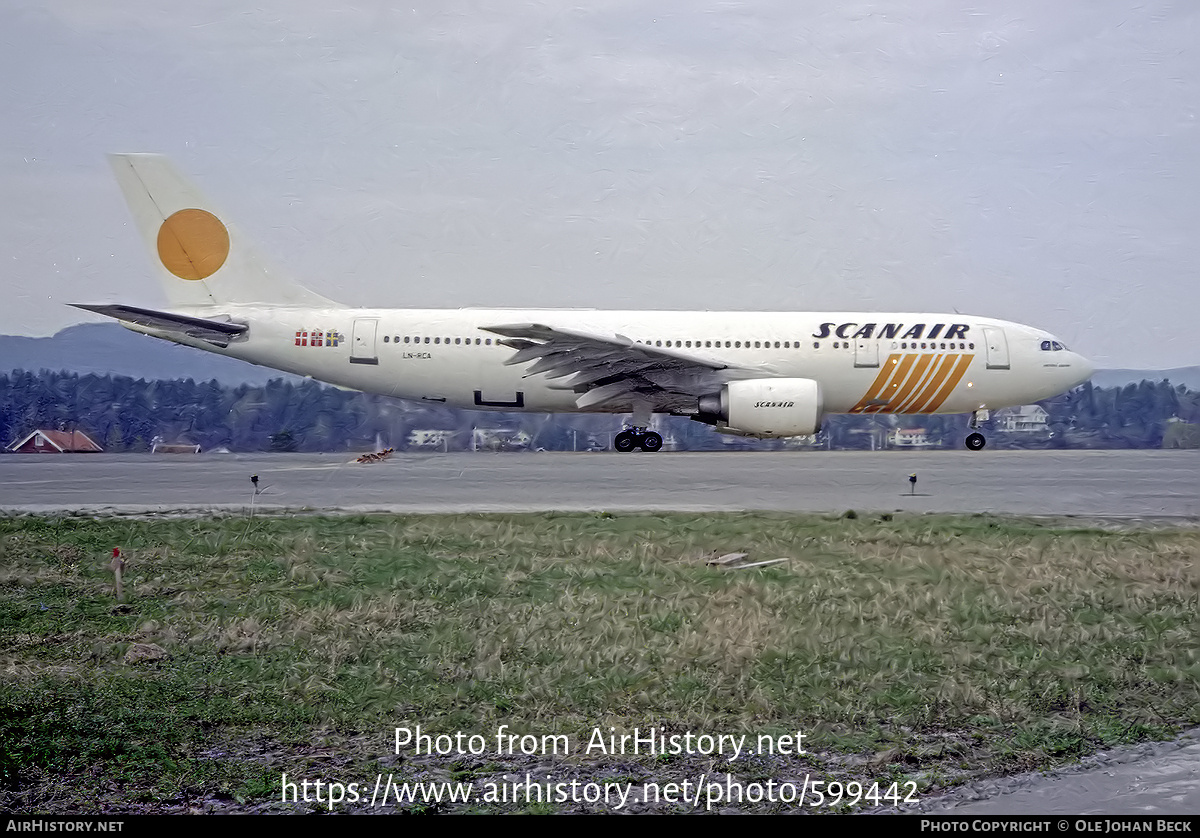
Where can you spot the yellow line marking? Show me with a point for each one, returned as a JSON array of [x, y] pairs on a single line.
[[890, 393], [877, 386], [913, 379], [922, 388], [964, 361], [914, 404]]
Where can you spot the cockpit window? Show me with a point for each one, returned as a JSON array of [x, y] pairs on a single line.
[[1053, 346], [1045, 346]]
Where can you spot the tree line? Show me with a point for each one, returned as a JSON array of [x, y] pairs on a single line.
[[123, 414]]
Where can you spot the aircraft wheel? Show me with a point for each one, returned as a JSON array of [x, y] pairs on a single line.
[[625, 442], [651, 441], [975, 442]]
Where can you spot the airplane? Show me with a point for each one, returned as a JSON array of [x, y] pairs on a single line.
[[756, 374]]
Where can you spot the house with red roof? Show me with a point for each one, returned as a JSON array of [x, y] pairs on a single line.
[[56, 442]]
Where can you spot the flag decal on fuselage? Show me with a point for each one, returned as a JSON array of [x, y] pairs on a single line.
[[318, 337]]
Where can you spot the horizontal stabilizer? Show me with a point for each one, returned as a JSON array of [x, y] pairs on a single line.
[[214, 331]]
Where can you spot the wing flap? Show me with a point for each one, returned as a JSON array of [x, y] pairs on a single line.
[[556, 340], [613, 370]]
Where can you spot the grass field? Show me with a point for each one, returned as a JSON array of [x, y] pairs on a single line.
[[918, 649]]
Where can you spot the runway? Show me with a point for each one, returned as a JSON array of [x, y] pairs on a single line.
[[1120, 484], [1154, 778]]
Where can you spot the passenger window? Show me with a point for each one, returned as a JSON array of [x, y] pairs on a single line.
[[406, 339], [385, 338]]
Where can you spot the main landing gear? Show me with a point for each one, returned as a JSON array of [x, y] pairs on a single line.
[[633, 438], [976, 441]]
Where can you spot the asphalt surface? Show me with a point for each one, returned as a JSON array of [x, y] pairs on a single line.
[[1122, 487], [1121, 484], [1155, 778]]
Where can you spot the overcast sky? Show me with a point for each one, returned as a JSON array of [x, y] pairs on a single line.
[[1026, 160]]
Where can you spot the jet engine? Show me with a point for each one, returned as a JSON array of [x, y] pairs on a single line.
[[764, 407]]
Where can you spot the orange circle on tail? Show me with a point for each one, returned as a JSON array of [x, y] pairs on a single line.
[[193, 244]]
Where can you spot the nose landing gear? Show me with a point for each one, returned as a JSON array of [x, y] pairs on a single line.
[[975, 441]]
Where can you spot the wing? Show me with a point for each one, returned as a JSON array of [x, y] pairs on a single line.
[[612, 371]]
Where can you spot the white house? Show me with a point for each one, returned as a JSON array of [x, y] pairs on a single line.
[[499, 439], [1028, 418], [909, 438], [429, 438]]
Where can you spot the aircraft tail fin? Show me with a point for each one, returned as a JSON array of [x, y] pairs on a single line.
[[201, 260]]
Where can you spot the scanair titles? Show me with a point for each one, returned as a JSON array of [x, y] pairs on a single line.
[[957, 331]]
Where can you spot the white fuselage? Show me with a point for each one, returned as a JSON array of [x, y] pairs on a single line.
[[863, 362]]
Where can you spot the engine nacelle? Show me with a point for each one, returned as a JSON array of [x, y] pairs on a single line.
[[765, 407]]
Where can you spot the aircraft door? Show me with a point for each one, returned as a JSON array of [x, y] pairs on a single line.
[[866, 353], [362, 342], [997, 348]]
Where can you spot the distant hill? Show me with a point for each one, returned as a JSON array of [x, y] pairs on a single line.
[[1187, 376], [110, 349]]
